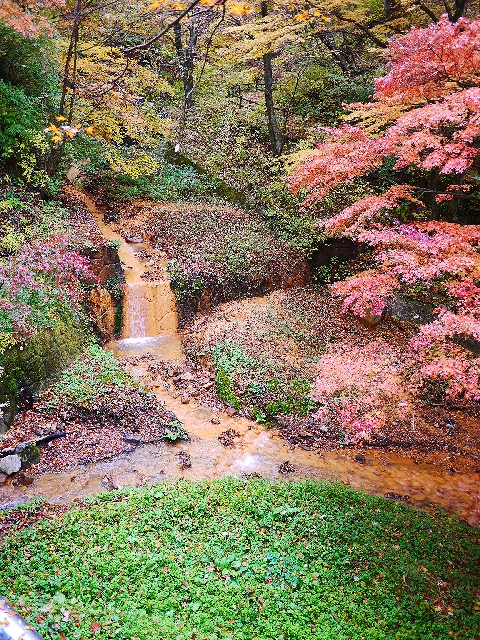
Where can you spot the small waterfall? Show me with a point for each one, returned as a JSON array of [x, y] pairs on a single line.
[[148, 309]]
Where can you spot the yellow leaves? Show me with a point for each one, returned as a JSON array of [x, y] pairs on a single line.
[[65, 131], [300, 17], [305, 15], [176, 6], [240, 8], [138, 164], [318, 14]]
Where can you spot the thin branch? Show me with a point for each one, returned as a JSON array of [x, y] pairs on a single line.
[[365, 30], [148, 43], [207, 50], [452, 194], [428, 11]]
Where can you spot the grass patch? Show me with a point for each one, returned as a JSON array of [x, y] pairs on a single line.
[[245, 559], [261, 386], [97, 388]]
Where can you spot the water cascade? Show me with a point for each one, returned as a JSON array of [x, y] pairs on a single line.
[[148, 309]]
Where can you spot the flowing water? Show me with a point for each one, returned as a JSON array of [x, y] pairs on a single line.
[[150, 326]]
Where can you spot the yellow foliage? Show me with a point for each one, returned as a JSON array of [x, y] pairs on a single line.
[[117, 96], [139, 164], [375, 117], [240, 8]]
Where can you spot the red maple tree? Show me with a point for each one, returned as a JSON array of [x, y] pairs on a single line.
[[425, 114]]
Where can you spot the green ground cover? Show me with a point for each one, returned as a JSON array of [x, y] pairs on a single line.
[[245, 559]]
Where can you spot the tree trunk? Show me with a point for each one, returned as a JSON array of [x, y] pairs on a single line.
[[186, 57], [276, 137]]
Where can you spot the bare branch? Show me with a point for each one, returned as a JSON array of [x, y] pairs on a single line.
[[148, 43]]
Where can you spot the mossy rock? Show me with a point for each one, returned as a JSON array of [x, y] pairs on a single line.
[[35, 364]]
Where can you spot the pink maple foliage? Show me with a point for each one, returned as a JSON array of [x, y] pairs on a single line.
[[430, 100], [38, 283], [357, 386], [429, 103], [25, 17]]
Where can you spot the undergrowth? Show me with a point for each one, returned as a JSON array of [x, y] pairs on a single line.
[[245, 559], [262, 386]]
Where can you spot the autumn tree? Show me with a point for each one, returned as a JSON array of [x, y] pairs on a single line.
[[28, 17], [425, 114]]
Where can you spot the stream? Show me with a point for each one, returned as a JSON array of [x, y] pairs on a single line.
[[150, 326]]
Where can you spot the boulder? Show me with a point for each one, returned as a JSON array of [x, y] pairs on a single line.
[[132, 439], [371, 319], [10, 464]]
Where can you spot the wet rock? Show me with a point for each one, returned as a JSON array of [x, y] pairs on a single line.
[[39, 431], [397, 496], [185, 399], [107, 482], [134, 239], [360, 458], [184, 460], [227, 437], [450, 425], [132, 439], [371, 319], [287, 467], [250, 476], [10, 464]]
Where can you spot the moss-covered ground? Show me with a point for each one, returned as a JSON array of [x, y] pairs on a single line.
[[242, 559]]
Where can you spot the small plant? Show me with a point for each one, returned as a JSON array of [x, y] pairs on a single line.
[[114, 244], [179, 432]]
